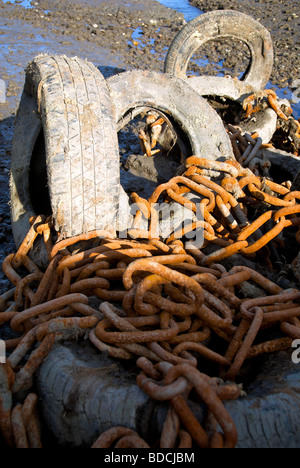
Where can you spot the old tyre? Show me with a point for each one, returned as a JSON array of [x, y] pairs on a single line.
[[136, 90], [89, 393], [65, 157], [83, 393], [216, 25]]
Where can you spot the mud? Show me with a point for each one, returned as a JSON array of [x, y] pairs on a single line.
[[117, 35]]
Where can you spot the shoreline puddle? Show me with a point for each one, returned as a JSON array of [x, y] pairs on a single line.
[[182, 6]]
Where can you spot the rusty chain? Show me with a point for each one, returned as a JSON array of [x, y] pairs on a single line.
[[287, 136], [171, 308], [224, 207]]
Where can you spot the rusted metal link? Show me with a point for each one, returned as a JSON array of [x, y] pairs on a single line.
[[280, 315], [243, 352], [209, 397], [187, 182], [166, 273], [13, 276], [81, 238], [18, 321], [27, 242], [224, 253], [203, 351], [81, 259], [216, 288], [19, 291], [162, 392], [208, 231], [262, 196], [132, 441], [272, 346], [292, 330], [170, 430], [195, 269], [185, 440], [190, 422], [156, 302], [18, 427], [115, 352], [24, 376], [148, 368], [31, 421], [239, 274], [44, 286], [109, 437], [134, 336], [59, 325], [8, 295], [198, 336], [211, 165]]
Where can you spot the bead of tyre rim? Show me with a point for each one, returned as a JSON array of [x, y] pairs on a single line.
[[65, 156], [216, 25], [136, 90]]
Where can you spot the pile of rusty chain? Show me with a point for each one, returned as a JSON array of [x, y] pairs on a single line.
[[287, 136], [172, 311], [224, 207]]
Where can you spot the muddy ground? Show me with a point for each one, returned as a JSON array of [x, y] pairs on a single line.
[[116, 33]]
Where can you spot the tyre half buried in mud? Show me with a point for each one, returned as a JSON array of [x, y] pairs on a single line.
[[216, 25]]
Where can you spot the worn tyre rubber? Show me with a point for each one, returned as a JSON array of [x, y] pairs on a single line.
[[228, 88], [66, 109], [136, 90], [216, 25], [82, 393]]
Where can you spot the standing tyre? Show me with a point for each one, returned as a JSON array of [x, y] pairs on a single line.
[[216, 25], [65, 155]]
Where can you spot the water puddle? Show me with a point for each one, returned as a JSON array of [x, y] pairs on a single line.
[[182, 6], [23, 3], [137, 40]]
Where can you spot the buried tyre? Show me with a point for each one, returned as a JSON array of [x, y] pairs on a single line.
[[83, 394], [65, 158], [216, 25]]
